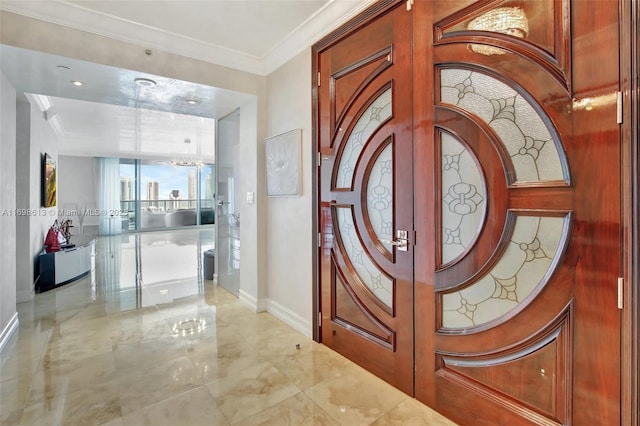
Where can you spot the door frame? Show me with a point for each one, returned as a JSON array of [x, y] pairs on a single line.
[[630, 176]]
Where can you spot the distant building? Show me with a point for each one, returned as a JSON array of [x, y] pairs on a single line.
[[126, 189], [153, 191], [208, 187], [175, 196], [192, 191]]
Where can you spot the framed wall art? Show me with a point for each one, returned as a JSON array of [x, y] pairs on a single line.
[[283, 157], [49, 181]]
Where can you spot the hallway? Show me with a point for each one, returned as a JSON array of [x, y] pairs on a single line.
[[146, 340]]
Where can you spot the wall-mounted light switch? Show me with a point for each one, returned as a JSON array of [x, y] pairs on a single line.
[[250, 197]]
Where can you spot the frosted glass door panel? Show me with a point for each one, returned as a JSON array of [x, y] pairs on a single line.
[[377, 113]]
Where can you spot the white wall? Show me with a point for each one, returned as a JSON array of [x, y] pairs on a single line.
[[76, 185], [24, 268], [289, 220], [8, 315], [252, 236], [34, 138]]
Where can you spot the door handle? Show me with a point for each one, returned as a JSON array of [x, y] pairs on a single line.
[[401, 241], [401, 244]]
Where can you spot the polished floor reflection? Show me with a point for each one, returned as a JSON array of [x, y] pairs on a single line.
[[147, 341]]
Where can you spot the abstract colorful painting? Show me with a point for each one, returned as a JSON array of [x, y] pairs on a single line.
[[49, 194]]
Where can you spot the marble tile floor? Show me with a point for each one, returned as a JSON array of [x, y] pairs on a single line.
[[95, 353]]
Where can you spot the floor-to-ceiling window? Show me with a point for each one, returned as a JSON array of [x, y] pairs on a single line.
[[157, 195]]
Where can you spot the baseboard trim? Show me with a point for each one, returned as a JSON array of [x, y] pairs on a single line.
[[257, 305], [8, 331], [25, 296], [290, 318]]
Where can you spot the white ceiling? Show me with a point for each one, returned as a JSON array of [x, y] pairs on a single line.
[[41, 73], [251, 27], [256, 36], [96, 130]]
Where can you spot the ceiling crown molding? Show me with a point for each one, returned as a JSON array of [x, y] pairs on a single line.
[[321, 23], [332, 15], [94, 22]]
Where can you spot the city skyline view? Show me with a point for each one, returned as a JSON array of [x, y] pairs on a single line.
[[169, 178]]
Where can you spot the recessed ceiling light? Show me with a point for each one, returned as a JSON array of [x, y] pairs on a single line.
[[192, 101], [76, 83], [144, 82]]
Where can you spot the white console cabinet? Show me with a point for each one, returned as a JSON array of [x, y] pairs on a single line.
[[60, 267]]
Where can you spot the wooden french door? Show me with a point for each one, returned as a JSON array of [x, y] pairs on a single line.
[[365, 141], [517, 318], [506, 174]]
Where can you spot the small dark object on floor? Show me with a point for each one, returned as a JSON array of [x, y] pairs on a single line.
[[298, 346]]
